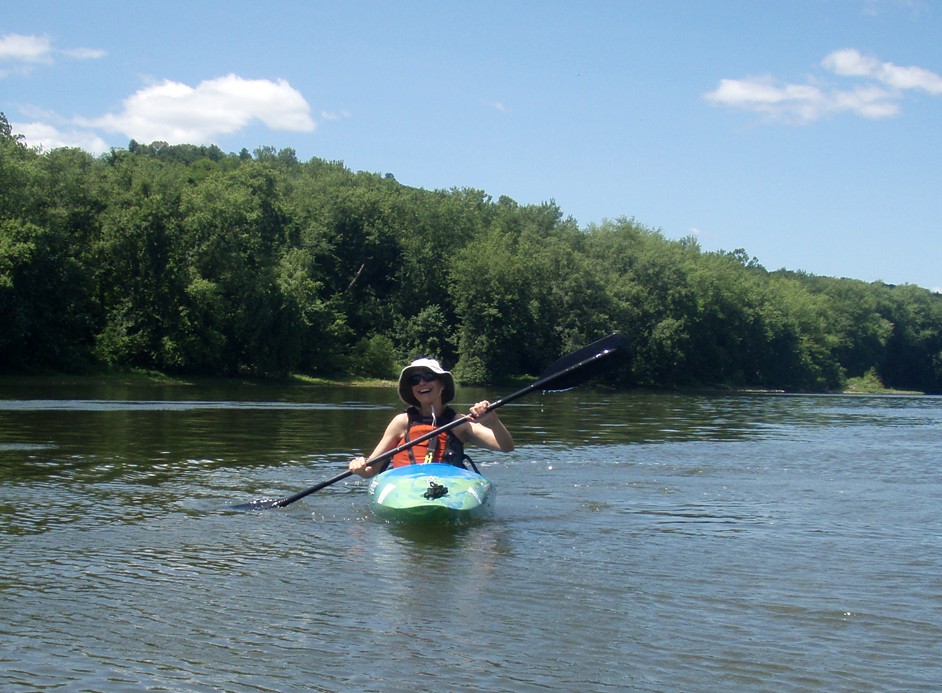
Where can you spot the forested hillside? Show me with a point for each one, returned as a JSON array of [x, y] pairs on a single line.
[[185, 259]]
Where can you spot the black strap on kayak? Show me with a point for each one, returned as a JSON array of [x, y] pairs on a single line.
[[467, 458], [435, 490]]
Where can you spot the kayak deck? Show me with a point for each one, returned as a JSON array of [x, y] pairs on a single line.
[[431, 494]]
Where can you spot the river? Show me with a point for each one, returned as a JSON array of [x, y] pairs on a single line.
[[641, 542]]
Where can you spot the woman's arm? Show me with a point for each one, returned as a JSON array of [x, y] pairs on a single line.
[[487, 430], [394, 432]]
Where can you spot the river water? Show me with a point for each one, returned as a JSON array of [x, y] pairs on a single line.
[[642, 542]]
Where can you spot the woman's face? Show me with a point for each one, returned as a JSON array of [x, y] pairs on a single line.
[[427, 387]]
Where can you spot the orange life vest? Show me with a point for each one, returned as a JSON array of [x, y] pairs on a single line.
[[444, 447]]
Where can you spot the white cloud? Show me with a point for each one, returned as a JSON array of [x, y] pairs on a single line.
[[335, 115], [50, 137], [176, 113], [24, 52], [20, 54], [874, 8], [85, 53], [879, 98], [851, 63], [25, 49], [168, 111]]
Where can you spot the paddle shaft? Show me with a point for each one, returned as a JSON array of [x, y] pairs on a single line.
[[537, 385]]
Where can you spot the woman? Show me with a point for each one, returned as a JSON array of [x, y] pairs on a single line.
[[427, 388]]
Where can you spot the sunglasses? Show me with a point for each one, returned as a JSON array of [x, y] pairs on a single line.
[[423, 378]]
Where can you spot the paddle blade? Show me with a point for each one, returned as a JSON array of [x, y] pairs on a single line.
[[260, 504], [578, 367]]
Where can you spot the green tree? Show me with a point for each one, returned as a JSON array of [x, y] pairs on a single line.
[[43, 304], [652, 301], [139, 287], [229, 232], [181, 257], [913, 356], [499, 297], [47, 215], [312, 327], [860, 331]]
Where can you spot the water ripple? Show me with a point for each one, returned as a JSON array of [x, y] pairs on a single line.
[[642, 542]]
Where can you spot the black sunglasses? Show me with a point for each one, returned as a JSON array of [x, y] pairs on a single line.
[[423, 378]]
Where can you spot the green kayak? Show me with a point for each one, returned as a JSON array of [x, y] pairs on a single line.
[[431, 494]]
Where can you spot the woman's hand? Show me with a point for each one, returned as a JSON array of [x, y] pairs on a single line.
[[488, 430], [479, 412], [358, 466]]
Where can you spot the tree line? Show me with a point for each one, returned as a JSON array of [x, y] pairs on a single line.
[[185, 259]]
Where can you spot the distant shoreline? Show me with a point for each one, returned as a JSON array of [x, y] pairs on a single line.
[[855, 386]]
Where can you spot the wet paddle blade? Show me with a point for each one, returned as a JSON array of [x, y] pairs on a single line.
[[583, 365], [259, 504], [268, 503]]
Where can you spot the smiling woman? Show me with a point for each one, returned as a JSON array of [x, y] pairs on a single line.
[[427, 388]]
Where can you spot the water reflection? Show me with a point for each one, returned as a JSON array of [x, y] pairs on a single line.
[[641, 541]]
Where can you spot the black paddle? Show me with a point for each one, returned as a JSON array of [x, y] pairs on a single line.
[[564, 374]]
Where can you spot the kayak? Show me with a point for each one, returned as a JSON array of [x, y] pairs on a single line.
[[431, 494]]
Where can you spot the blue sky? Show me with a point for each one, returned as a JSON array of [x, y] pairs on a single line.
[[807, 132]]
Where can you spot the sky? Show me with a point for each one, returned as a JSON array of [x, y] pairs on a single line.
[[806, 132]]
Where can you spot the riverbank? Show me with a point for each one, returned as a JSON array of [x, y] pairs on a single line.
[[143, 377], [870, 384], [865, 385]]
